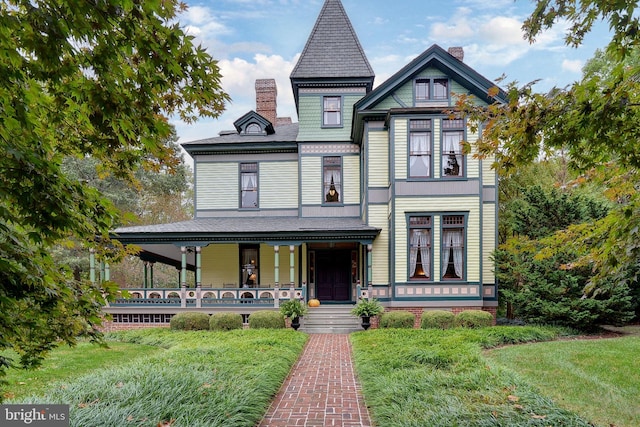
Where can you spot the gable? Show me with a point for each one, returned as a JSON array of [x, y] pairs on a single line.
[[433, 62]]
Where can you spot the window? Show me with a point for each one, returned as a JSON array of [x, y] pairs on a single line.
[[332, 178], [420, 148], [253, 128], [420, 248], [440, 89], [427, 90], [249, 263], [453, 247], [332, 111], [452, 157], [248, 185], [422, 89]]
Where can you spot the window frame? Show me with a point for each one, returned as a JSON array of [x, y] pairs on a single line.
[[326, 186], [337, 111], [414, 223], [432, 95], [463, 227], [243, 249], [416, 131], [246, 168], [460, 157]]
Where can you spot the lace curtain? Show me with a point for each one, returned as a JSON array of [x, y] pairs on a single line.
[[419, 242], [452, 239]]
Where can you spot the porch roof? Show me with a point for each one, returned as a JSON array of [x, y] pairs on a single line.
[[274, 230]]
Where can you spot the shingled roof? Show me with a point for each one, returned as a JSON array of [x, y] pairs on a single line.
[[333, 49]]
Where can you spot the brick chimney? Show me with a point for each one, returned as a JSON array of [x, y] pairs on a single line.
[[457, 52], [266, 94]]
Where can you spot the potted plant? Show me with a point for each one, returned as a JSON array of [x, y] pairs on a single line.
[[293, 309], [365, 309]]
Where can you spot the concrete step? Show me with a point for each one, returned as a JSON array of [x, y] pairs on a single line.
[[330, 319]]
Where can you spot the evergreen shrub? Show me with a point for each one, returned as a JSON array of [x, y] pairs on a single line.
[[225, 321], [474, 319], [190, 321], [266, 319], [397, 319], [437, 319]]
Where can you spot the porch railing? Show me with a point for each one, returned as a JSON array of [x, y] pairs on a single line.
[[207, 297]]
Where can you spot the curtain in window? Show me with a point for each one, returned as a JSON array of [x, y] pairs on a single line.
[[248, 190], [419, 160], [452, 239], [419, 241], [332, 178]]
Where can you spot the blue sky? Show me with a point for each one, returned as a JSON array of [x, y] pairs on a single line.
[[255, 39]]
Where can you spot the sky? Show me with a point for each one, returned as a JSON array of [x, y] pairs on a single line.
[[257, 39]]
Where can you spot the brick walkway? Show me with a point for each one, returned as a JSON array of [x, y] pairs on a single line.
[[321, 389]]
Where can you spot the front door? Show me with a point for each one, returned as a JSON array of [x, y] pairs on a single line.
[[333, 281]]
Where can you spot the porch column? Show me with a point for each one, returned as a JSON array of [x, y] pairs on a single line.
[[276, 265], [92, 265], [198, 276], [369, 270], [107, 272], [276, 276], [183, 277], [145, 264], [292, 275], [151, 264]]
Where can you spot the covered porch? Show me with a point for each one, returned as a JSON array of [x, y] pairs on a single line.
[[250, 263]]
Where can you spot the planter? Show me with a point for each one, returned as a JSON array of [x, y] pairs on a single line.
[[295, 323], [366, 322]]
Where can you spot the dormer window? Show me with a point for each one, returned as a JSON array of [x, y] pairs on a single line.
[[253, 128]]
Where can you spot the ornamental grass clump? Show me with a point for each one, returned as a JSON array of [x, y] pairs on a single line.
[[190, 321], [397, 319], [474, 319], [225, 321], [437, 319], [266, 319]]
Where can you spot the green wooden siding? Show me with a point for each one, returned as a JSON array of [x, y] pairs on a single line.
[[400, 148], [379, 217], [310, 120], [217, 186], [488, 242], [311, 180], [278, 185], [378, 158], [351, 179]]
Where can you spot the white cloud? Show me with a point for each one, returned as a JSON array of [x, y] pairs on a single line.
[[573, 66]]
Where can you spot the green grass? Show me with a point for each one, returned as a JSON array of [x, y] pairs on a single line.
[[599, 379], [440, 378], [66, 363], [202, 378]]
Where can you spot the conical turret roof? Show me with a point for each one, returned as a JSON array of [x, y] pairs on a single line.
[[333, 49]]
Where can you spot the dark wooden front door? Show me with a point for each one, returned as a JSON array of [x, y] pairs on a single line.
[[333, 275]]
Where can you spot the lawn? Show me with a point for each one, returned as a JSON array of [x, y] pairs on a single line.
[[200, 378], [599, 379], [410, 378], [441, 378]]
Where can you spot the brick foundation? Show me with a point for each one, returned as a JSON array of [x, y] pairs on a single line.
[[417, 311]]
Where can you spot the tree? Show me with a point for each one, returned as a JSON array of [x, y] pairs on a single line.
[[595, 122], [81, 78]]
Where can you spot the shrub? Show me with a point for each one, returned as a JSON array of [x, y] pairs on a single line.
[[266, 319], [397, 319], [367, 308], [437, 319], [190, 321], [225, 321], [474, 319]]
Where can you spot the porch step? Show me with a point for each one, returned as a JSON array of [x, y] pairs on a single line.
[[330, 319]]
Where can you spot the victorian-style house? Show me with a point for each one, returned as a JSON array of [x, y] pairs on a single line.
[[368, 195]]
